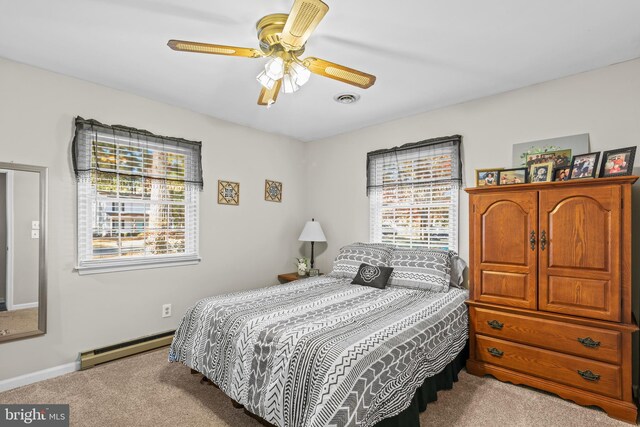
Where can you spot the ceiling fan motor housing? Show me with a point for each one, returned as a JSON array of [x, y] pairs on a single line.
[[269, 30]]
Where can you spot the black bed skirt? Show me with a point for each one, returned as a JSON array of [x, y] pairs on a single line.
[[428, 392]]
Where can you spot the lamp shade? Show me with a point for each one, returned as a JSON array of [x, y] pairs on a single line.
[[312, 232]]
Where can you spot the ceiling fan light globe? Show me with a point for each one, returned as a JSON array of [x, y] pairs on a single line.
[[300, 73], [275, 68], [288, 84], [265, 80]]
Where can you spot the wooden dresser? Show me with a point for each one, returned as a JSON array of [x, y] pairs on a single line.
[[550, 283]]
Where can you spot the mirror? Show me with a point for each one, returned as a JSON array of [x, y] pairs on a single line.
[[23, 228]]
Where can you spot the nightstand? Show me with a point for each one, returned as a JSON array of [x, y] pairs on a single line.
[[289, 277]]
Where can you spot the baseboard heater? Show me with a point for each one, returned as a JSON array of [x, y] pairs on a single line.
[[91, 358]]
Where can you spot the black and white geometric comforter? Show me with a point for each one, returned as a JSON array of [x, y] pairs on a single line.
[[322, 352]]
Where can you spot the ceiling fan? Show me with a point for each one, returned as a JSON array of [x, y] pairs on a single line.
[[282, 39]]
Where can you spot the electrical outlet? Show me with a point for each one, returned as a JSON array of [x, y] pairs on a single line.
[[166, 310], [35, 234], [35, 225]]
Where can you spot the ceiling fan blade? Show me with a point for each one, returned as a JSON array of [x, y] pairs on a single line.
[[304, 17], [339, 72], [269, 96], [214, 49]]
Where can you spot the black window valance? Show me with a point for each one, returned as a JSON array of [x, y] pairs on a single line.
[[430, 161], [127, 151]]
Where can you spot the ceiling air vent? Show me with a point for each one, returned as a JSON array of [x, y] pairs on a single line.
[[346, 98]]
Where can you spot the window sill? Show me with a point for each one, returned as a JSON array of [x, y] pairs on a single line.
[[115, 266]]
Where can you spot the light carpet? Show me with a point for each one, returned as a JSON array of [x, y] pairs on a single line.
[[146, 390]]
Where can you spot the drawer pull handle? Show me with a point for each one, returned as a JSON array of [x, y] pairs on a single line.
[[495, 352], [588, 375], [532, 240], [588, 342], [543, 240], [497, 325]]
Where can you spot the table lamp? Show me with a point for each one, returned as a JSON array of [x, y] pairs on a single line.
[[312, 232]]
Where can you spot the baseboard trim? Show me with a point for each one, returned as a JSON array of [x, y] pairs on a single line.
[[34, 377], [23, 306], [95, 357]]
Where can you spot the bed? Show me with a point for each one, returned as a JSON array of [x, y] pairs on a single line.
[[320, 351]]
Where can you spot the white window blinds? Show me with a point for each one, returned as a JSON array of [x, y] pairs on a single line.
[[138, 197], [413, 194]]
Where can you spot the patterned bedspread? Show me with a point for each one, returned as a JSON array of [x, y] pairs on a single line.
[[322, 352]]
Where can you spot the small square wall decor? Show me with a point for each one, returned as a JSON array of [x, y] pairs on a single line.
[[272, 191], [228, 193]]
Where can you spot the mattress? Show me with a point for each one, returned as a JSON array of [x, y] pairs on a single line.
[[320, 351]]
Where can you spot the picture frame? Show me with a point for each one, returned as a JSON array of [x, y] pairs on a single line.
[[558, 157], [561, 174], [487, 177], [584, 166], [541, 172], [313, 272], [512, 176], [228, 193], [617, 162], [578, 144], [272, 191]]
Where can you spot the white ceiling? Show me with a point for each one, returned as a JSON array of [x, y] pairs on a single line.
[[426, 53]]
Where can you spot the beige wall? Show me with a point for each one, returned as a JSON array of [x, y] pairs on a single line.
[[36, 112], [241, 247], [604, 103], [26, 208]]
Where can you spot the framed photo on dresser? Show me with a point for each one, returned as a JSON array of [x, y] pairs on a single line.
[[487, 177], [512, 176], [617, 162], [561, 174], [584, 166], [541, 172]]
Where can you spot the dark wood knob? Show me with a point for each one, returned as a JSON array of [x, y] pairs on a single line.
[[495, 324], [495, 352]]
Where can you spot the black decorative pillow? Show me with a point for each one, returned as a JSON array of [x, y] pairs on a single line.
[[371, 275]]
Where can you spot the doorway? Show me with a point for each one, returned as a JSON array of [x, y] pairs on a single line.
[[3, 241], [6, 239]]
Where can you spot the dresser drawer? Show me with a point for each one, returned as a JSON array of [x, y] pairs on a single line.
[[598, 377], [593, 343]]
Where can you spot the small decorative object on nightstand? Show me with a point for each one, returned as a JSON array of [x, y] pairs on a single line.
[[303, 265], [313, 272]]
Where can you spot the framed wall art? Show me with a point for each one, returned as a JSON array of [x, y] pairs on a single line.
[[272, 191], [617, 162], [228, 193]]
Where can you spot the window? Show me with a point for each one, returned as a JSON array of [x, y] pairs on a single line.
[[413, 194], [138, 197]]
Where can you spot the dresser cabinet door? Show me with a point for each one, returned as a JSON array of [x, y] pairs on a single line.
[[504, 259], [580, 260]]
